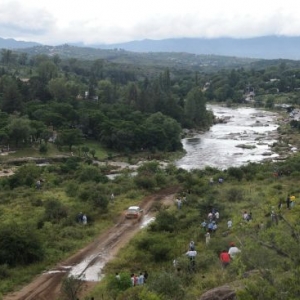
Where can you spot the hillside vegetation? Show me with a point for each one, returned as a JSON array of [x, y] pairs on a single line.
[[267, 267], [78, 114]]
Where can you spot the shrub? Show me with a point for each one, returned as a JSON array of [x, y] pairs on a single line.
[[72, 188], [138, 293], [43, 148], [166, 284], [145, 182], [71, 164], [54, 211], [4, 271], [71, 287], [115, 286], [235, 195], [236, 173], [165, 221], [19, 245]]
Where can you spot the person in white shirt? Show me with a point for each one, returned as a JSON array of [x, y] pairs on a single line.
[[233, 251], [229, 224], [192, 255]]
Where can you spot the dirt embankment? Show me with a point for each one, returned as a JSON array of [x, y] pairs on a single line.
[[47, 286]]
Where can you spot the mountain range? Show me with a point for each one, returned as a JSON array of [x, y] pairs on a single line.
[[266, 47]]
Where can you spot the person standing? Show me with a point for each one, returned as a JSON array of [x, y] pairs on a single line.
[[179, 203], [233, 251], [192, 256], [141, 279], [84, 219], [207, 238], [192, 246], [288, 202], [145, 276], [225, 258], [229, 224]]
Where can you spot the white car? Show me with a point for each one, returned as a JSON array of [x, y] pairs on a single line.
[[134, 212]]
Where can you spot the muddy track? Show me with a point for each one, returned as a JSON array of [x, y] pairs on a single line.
[[47, 286]]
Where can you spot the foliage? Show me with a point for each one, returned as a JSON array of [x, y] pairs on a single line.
[[71, 287], [54, 211], [138, 293], [116, 285], [167, 284], [19, 245], [165, 221]]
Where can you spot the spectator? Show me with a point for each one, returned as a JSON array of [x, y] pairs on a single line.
[[145, 276], [207, 237], [141, 279], [224, 258], [192, 256], [192, 246], [229, 224], [233, 251]]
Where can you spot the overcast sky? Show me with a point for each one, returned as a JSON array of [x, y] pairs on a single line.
[[56, 22]]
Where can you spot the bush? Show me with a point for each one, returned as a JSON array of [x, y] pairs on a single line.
[[166, 284], [71, 287], [19, 245], [4, 271], [145, 182], [54, 211], [115, 286], [236, 173], [43, 148], [138, 293], [235, 195], [165, 221]]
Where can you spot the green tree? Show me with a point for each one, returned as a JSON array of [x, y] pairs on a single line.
[[19, 245], [11, 97], [195, 108], [58, 89], [47, 70], [70, 137], [71, 287], [19, 129]]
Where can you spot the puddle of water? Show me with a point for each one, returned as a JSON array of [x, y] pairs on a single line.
[[146, 221], [90, 269]]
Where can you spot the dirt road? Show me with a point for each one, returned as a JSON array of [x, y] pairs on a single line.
[[89, 261]]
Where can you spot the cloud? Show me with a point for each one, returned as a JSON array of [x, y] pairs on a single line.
[[19, 20], [93, 21]]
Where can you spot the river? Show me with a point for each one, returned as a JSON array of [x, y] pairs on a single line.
[[254, 128]]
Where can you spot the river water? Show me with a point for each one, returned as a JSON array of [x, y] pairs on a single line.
[[254, 128]]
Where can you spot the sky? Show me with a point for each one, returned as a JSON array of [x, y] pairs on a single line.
[[55, 22]]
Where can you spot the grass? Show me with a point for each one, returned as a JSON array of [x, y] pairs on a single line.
[[258, 196]]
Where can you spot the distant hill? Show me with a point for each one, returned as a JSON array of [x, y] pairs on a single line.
[[267, 47], [161, 60], [14, 44]]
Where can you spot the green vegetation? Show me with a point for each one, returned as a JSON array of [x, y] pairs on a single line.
[[77, 114], [270, 250]]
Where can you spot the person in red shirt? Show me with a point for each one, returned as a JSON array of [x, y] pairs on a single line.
[[225, 258]]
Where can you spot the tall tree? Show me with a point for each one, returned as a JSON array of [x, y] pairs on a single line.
[[195, 108]]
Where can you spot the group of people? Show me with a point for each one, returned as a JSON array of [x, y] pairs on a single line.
[[290, 202], [247, 216], [137, 279], [82, 218], [227, 256], [210, 225], [179, 201]]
